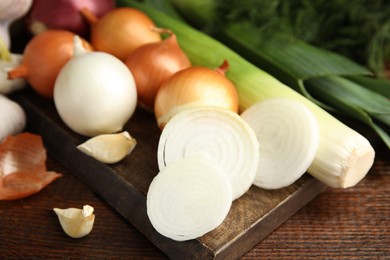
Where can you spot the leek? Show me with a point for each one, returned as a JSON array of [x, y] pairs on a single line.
[[295, 62], [343, 157]]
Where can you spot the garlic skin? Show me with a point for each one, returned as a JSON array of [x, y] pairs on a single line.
[[109, 148], [76, 223], [8, 86], [12, 117]]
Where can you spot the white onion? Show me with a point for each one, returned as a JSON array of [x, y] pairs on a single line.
[[188, 198], [216, 134], [94, 93]]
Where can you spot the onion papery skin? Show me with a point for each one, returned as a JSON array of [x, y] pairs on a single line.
[[95, 94], [195, 86], [65, 14], [152, 64], [121, 31], [43, 57]]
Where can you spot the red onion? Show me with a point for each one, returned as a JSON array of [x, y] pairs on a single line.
[[65, 14]]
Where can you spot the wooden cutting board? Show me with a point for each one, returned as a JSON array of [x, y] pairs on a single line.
[[124, 186]]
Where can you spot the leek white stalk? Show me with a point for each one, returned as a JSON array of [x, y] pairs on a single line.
[[12, 117], [188, 198], [288, 134], [109, 148], [76, 223], [216, 134], [344, 156], [94, 92]]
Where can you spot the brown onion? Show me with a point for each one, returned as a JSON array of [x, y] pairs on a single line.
[[44, 56], [121, 31], [153, 63], [195, 86]]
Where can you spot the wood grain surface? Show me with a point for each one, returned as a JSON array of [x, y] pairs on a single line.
[[338, 224]]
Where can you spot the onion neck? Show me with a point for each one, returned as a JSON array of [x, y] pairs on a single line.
[[18, 72], [223, 67]]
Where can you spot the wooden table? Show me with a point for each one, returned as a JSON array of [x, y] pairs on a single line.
[[338, 224]]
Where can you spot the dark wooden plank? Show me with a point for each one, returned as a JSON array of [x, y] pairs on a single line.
[[124, 186]]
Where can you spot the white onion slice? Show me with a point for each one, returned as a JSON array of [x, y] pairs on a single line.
[[288, 134], [188, 198], [217, 134]]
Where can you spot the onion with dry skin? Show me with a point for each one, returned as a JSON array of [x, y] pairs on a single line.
[[195, 86], [153, 63], [121, 31], [64, 14], [43, 57]]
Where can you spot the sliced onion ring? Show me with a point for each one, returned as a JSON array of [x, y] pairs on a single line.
[[188, 198], [288, 134], [216, 134]]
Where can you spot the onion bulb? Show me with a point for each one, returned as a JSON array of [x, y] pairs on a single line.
[[153, 63], [195, 86], [43, 57], [94, 93], [289, 136], [64, 14], [214, 134], [121, 31]]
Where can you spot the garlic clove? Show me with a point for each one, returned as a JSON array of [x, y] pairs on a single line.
[[76, 223], [109, 148]]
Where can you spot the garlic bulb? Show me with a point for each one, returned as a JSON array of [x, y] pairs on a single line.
[[75, 222], [109, 148], [94, 92], [11, 10], [6, 85], [12, 117]]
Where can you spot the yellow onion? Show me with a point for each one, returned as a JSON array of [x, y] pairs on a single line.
[[120, 31], [195, 86], [153, 63], [44, 56]]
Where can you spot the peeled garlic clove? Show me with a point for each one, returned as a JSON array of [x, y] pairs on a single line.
[[109, 148], [75, 222]]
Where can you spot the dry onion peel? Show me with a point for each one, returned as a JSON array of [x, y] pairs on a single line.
[[22, 166], [94, 92], [216, 134], [289, 136], [109, 148], [76, 223], [198, 86], [188, 198]]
